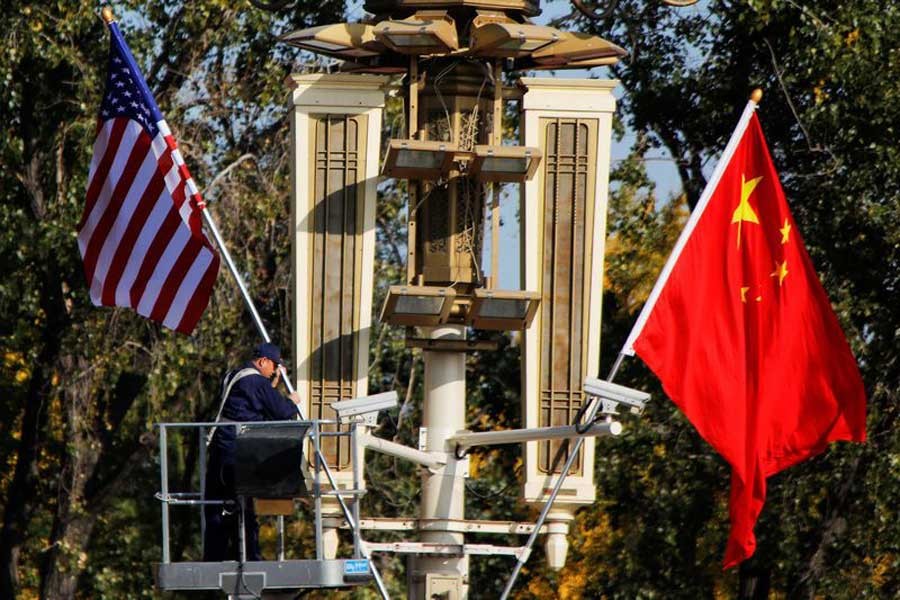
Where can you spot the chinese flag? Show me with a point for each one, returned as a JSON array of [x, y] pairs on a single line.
[[744, 339]]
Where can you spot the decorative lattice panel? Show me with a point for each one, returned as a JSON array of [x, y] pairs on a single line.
[[568, 179]]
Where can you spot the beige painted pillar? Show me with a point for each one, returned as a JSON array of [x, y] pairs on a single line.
[[335, 143], [563, 231]]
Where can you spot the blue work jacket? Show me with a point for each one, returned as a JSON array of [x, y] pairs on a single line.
[[251, 399]]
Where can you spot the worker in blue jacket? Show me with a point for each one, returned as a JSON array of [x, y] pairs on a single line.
[[248, 394]]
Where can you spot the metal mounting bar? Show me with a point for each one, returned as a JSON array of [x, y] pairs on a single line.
[[452, 525], [467, 439], [444, 549], [170, 499], [343, 493], [425, 459]]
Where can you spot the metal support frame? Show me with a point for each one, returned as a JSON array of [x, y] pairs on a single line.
[[282, 573], [444, 549], [430, 460], [169, 574], [573, 454], [467, 439]]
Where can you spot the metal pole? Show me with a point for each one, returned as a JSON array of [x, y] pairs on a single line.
[[354, 526], [164, 490], [242, 531], [247, 299], [317, 492], [526, 551], [464, 441], [424, 459], [354, 459], [280, 537], [202, 441], [443, 490]]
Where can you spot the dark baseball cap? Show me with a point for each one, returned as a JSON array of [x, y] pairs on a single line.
[[270, 351]]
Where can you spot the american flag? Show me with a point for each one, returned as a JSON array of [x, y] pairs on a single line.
[[140, 235]]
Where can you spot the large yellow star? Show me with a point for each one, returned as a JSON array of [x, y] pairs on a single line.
[[781, 271], [744, 291], [785, 232], [745, 212]]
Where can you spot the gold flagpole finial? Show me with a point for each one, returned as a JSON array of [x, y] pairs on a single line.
[[107, 14], [756, 95]]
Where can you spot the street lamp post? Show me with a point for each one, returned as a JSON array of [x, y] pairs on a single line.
[[452, 57]]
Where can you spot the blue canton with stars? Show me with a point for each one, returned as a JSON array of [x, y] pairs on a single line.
[[127, 94]]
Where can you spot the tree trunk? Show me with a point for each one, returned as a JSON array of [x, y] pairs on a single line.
[[21, 494], [75, 517], [753, 582], [83, 494]]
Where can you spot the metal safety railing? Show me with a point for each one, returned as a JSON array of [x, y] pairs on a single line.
[[314, 435]]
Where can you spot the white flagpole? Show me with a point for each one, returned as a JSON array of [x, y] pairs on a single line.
[[247, 299], [755, 97]]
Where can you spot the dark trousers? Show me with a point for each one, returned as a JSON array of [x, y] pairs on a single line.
[[222, 524]]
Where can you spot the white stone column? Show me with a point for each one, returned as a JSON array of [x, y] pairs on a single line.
[[313, 96], [592, 102], [443, 492]]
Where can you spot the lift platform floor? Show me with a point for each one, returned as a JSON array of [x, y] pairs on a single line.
[[253, 579]]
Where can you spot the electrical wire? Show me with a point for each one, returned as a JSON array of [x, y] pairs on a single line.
[[243, 583], [437, 92]]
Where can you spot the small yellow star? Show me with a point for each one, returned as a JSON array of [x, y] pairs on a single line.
[[780, 271], [744, 291], [785, 232]]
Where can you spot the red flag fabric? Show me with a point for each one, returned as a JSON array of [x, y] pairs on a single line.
[[744, 339], [140, 236]]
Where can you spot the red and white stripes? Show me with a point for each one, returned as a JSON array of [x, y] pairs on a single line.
[[140, 235]]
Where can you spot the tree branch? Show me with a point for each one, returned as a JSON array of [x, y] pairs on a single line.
[[778, 72], [226, 171]]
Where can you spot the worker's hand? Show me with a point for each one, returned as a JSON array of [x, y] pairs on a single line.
[[295, 398], [276, 376]]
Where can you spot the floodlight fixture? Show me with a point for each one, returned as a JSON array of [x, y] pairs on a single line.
[[590, 63], [511, 40], [613, 394], [505, 163], [502, 310], [415, 159], [577, 47], [373, 66], [345, 40], [364, 410], [417, 306], [425, 32]]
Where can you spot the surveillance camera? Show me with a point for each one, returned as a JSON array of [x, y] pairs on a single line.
[[365, 409], [612, 394]]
